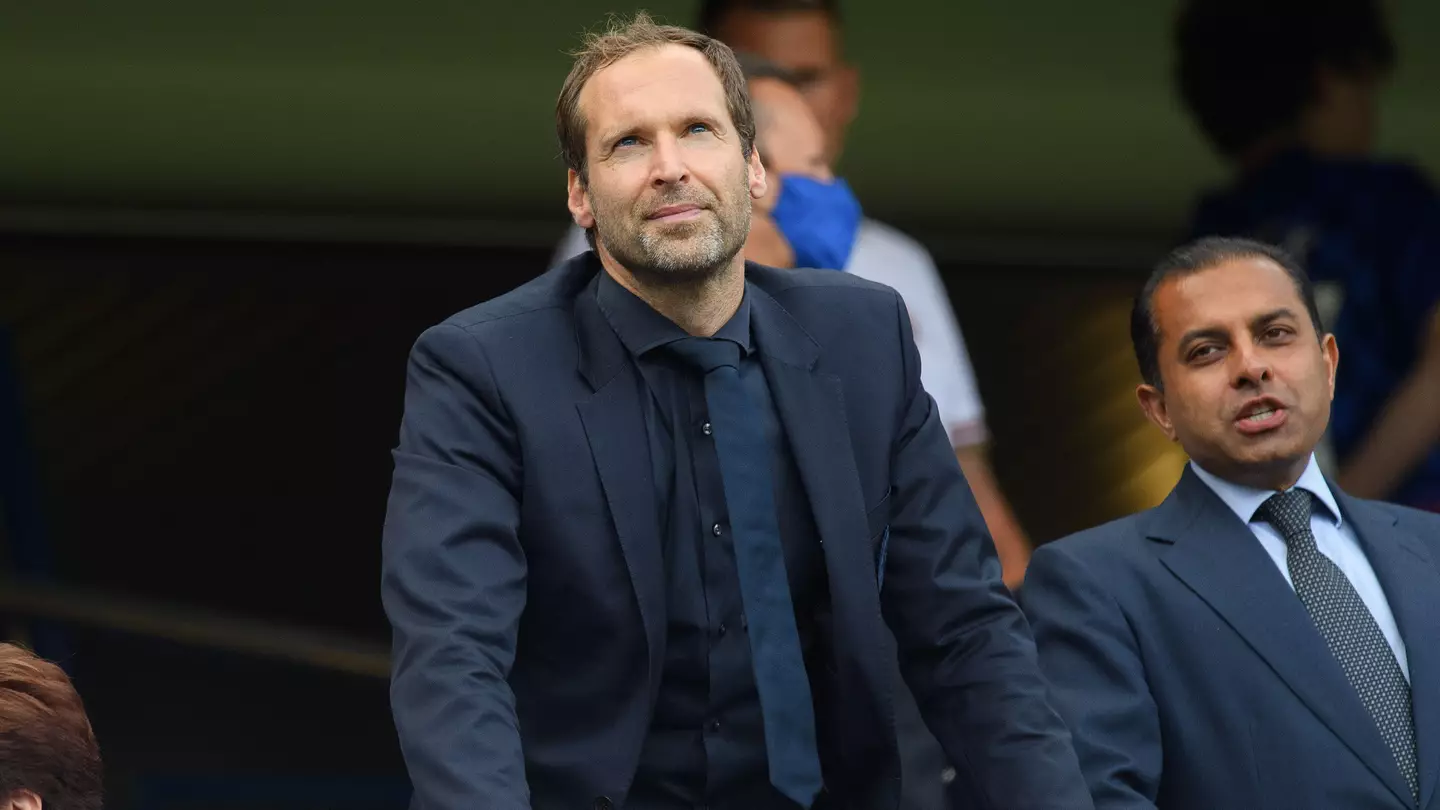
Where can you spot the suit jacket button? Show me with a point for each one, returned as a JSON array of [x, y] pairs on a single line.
[[604, 803]]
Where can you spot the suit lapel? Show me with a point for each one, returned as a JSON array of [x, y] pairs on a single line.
[[1216, 554], [811, 406], [614, 421], [1411, 581]]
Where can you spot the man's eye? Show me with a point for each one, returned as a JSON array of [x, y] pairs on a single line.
[[628, 140], [699, 127]]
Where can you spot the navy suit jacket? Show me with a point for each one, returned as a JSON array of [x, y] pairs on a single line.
[[1193, 677], [522, 568]]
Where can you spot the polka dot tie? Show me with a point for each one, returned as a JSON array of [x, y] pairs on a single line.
[[1347, 626]]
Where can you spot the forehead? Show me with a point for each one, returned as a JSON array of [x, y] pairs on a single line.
[[785, 110], [1232, 292], [787, 125], [652, 87], [791, 39]]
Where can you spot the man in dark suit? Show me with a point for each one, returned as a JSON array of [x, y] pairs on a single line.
[[653, 512], [1260, 639]]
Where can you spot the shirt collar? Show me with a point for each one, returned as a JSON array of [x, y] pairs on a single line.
[[1244, 501], [640, 328]]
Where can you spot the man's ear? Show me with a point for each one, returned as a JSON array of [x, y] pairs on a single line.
[[759, 184], [1152, 402], [578, 200], [21, 800], [1331, 350]]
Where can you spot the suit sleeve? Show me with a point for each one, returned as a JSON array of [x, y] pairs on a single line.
[[1088, 653], [453, 580], [965, 649]]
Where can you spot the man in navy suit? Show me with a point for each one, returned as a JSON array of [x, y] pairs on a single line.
[[1260, 639], [661, 520]]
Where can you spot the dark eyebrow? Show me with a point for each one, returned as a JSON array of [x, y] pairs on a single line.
[[799, 77], [1194, 335], [1259, 323]]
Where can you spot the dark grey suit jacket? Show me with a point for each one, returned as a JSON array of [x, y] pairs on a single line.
[[1193, 677]]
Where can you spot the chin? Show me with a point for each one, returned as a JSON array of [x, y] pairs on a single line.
[[1272, 455]]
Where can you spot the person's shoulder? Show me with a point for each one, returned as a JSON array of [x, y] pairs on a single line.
[[1106, 548], [780, 282], [1365, 192], [1401, 179], [889, 240], [832, 306], [884, 253], [552, 293], [1421, 523]]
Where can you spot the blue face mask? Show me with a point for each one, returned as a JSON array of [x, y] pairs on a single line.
[[820, 220]]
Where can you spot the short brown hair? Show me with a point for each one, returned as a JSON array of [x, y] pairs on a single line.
[[623, 39], [46, 744]]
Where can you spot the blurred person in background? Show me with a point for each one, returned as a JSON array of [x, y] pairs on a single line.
[[1288, 92], [804, 38], [48, 756], [808, 214], [1262, 639], [812, 214], [663, 520]]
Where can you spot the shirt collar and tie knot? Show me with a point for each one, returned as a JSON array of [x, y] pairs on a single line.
[[706, 354], [1289, 512]]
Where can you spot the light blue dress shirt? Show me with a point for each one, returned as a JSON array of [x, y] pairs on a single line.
[[1333, 536]]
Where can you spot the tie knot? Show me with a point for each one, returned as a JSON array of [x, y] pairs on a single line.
[[706, 354], [1288, 512]]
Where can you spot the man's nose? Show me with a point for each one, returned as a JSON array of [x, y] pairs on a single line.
[[1249, 364], [667, 163]]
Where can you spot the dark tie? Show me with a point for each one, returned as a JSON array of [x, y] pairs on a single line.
[[1348, 628], [744, 453]]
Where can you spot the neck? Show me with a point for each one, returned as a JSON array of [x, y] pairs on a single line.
[[699, 305], [1318, 139], [1267, 150], [1278, 475]]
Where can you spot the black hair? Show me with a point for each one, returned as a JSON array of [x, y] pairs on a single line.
[[713, 12], [1205, 254], [1247, 68]]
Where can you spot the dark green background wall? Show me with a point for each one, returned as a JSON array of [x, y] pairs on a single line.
[[997, 118]]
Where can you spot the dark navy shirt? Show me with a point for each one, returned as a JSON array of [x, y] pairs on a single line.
[[1368, 233], [706, 744]]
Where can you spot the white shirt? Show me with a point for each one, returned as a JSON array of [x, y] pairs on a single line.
[[1334, 537], [885, 255]]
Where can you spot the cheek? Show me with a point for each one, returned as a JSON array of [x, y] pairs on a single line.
[[1195, 409]]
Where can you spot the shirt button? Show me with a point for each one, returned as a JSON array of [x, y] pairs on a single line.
[[714, 726], [715, 530], [706, 429], [721, 629]]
